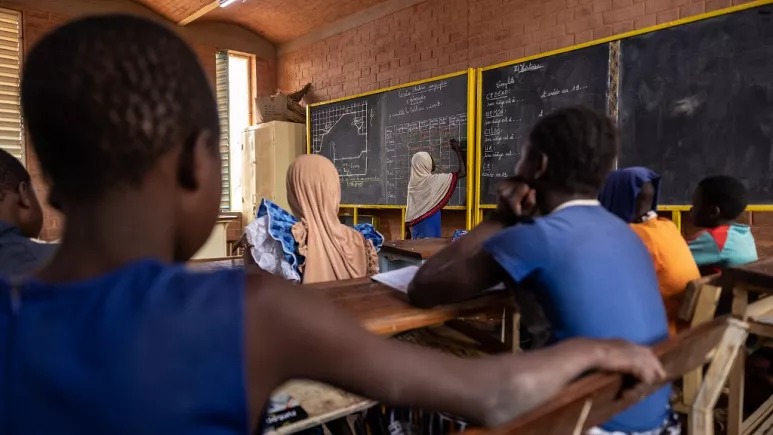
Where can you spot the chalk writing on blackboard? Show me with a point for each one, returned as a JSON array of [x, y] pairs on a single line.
[[516, 96]]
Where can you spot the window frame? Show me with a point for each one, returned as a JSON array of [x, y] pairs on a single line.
[[21, 154], [222, 58]]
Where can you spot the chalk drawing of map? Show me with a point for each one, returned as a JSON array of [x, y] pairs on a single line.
[[340, 133]]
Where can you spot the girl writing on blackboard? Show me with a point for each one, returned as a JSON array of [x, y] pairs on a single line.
[[428, 193]]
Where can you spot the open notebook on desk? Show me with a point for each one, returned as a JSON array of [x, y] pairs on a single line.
[[400, 278]]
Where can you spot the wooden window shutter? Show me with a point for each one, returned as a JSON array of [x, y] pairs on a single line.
[[221, 88], [11, 131]]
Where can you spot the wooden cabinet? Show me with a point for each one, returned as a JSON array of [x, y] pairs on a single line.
[[269, 149]]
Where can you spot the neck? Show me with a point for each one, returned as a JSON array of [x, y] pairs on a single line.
[[106, 235], [547, 201]]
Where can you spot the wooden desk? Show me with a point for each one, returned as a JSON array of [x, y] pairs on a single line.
[[754, 278], [401, 253], [382, 311], [322, 403], [385, 311]]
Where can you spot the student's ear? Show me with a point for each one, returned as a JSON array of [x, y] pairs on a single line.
[[715, 212], [541, 165], [194, 160], [26, 195]]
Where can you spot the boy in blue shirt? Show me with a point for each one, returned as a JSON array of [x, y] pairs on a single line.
[[591, 273], [716, 204], [116, 336], [21, 219]]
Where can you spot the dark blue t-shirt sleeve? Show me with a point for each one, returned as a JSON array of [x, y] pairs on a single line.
[[520, 250]]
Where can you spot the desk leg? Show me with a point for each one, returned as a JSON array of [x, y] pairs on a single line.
[[383, 263], [511, 332], [735, 399], [701, 416]]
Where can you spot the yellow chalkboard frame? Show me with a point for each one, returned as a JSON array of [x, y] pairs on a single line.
[[675, 209], [471, 144]]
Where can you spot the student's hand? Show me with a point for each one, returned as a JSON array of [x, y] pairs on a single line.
[[455, 145], [516, 199], [625, 357]]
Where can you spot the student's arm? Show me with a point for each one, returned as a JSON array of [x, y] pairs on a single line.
[[462, 172], [464, 269], [292, 333], [459, 272]]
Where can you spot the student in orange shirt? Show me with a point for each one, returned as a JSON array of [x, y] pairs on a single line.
[[632, 195]]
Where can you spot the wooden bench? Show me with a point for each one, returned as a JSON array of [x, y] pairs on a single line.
[[596, 398], [753, 279]]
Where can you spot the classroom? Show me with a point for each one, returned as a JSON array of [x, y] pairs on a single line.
[[367, 217]]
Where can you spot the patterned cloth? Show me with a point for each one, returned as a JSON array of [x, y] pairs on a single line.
[[273, 246], [672, 426]]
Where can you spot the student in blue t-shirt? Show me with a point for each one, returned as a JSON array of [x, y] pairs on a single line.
[[591, 273], [116, 336]]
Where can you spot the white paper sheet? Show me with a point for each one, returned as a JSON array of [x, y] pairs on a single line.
[[399, 279]]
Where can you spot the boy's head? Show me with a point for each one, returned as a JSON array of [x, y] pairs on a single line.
[[718, 200], [119, 106], [570, 151], [19, 205]]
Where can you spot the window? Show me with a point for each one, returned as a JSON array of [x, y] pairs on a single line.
[[235, 100], [11, 136]]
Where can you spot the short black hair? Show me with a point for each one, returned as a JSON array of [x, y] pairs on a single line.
[[581, 146], [105, 96], [12, 172], [726, 193]]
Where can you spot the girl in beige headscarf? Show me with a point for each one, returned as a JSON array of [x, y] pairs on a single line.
[[311, 245], [428, 193]]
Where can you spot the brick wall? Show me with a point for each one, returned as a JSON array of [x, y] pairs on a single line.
[[442, 36], [35, 24]]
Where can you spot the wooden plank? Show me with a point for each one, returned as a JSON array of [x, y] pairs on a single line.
[[385, 311], [701, 418], [567, 412], [758, 277], [704, 311], [691, 296], [761, 422], [736, 382], [204, 10], [321, 402], [760, 309]]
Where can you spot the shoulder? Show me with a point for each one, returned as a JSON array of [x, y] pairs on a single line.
[[657, 229], [180, 285], [20, 255], [525, 238]]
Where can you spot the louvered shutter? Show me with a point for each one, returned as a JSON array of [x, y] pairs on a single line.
[[11, 137], [221, 85]]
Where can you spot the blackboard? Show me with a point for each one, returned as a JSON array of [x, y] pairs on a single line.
[[515, 96], [697, 100], [372, 138]]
